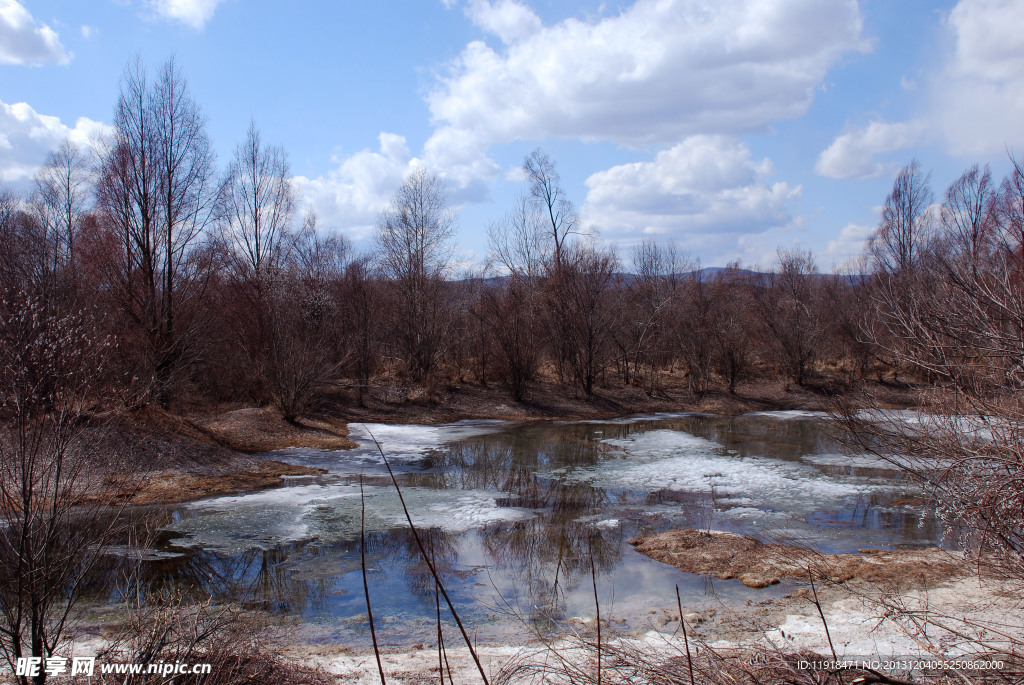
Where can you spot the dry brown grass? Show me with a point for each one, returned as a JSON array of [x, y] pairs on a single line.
[[263, 430], [757, 564]]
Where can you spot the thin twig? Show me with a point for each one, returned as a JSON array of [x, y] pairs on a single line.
[[440, 637], [429, 563], [597, 608], [366, 585], [686, 640], [822, 614]]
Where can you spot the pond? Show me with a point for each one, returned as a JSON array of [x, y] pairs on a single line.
[[517, 516]]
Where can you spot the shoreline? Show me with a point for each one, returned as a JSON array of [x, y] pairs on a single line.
[[241, 434]]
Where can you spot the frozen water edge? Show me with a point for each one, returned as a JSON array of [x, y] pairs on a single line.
[[400, 444], [675, 460], [859, 461], [790, 414], [637, 418], [331, 512], [415, 440]]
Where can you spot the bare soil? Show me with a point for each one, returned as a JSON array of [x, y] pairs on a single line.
[[757, 564]]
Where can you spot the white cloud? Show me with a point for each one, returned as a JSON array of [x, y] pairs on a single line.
[[88, 31], [852, 154], [849, 244], [23, 41], [463, 163], [26, 137], [193, 13], [979, 98], [655, 73], [509, 20], [351, 196], [706, 192]]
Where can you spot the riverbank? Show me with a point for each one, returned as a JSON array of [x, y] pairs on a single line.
[[548, 400], [217, 451]]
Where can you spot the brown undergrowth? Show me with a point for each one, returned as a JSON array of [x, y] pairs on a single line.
[[757, 564]]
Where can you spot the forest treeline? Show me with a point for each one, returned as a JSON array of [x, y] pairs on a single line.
[[205, 284]]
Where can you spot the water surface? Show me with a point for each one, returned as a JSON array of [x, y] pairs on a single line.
[[518, 517]]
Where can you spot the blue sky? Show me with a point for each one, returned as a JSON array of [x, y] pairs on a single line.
[[730, 128]]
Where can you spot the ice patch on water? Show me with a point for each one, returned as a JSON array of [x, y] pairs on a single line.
[[331, 512], [790, 414], [860, 461], [675, 460], [413, 441], [400, 443], [471, 509], [637, 418], [657, 444]]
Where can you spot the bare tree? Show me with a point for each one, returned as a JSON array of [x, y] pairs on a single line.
[[307, 345], [960, 326], [362, 317], [649, 299], [511, 312], [517, 242], [582, 305], [258, 205], [848, 298], [788, 304], [512, 308], [157, 193], [60, 199], [697, 329], [733, 343], [968, 215], [413, 239], [896, 244], [8, 242], [551, 202]]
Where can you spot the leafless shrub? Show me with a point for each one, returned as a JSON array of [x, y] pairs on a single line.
[[54, 519], [168, 630]]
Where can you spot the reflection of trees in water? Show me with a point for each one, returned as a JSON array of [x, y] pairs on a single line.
[[398, 547], [548, 554], [257, 577], [762, 436], [267, 578], [508, 461]]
